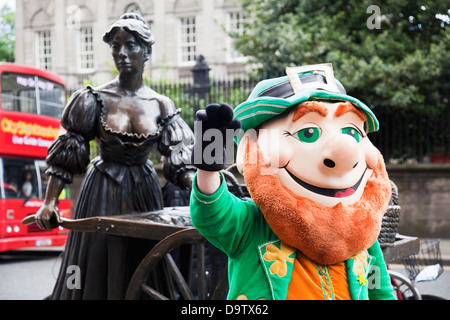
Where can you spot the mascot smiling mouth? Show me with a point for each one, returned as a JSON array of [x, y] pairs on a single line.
[[335, 193]]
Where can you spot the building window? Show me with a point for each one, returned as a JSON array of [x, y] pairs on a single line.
[[235, 25], [44, 50], [86, 49], [188, 40]]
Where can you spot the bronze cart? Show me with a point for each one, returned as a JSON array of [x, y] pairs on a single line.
[[173, 229]]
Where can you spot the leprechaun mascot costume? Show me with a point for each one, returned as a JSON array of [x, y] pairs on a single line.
[[318, 187]]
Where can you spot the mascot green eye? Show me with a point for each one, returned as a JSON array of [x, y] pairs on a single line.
[[309, 135], [352, 132]]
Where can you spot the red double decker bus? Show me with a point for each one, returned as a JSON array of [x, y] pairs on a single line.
[[31, 105]]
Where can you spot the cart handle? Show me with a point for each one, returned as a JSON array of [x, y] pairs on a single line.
[[86, 224]]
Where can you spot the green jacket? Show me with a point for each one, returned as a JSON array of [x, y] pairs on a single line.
[[239, 229]]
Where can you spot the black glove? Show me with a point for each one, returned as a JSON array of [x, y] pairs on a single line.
[[215, 116]]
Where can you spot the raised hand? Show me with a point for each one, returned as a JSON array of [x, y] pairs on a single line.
[[220, 118]]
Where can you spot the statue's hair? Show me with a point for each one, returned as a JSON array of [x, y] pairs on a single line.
[[135, 24]]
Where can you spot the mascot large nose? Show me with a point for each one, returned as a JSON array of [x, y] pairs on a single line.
[[340, 155]]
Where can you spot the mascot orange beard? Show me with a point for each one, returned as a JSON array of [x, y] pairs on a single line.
[[326, 235]]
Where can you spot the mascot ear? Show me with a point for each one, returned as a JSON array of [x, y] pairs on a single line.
[[243, 148]]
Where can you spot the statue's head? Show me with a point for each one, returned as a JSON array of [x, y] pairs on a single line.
[[135, 25]]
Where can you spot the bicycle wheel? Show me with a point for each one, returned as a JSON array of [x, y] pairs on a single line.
[[404, 289]]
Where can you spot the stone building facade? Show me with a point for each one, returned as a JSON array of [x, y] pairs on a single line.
[[65, 36]]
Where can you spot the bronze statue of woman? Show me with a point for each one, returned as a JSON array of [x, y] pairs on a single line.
[[127, 118]]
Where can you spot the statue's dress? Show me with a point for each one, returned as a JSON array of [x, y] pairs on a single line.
[[121, 180]]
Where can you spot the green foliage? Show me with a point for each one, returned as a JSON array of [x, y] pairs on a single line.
[[7, 34], [405, 63]]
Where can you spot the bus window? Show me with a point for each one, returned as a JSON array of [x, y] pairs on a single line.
[[20, 179], [42, 167], [26, 99], [9, 90], [8, 101], [20, 94], [52, 98]]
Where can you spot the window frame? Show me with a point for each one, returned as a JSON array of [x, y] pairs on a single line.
[[43, 49], [83, 53], [232, 55], [190, 42]]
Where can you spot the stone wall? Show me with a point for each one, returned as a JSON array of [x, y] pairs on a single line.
[[424, 196]]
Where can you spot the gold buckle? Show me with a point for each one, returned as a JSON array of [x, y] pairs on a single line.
[[298, 86]]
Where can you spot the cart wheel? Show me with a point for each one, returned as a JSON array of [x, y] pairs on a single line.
[[179, 273], [404, 289]]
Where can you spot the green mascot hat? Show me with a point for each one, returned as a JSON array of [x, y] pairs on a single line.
[[272, 97]]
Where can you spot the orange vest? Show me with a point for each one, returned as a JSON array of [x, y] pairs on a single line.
[[311, 281]]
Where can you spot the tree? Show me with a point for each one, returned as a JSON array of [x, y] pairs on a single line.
[[7, 34], [395, 54]]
